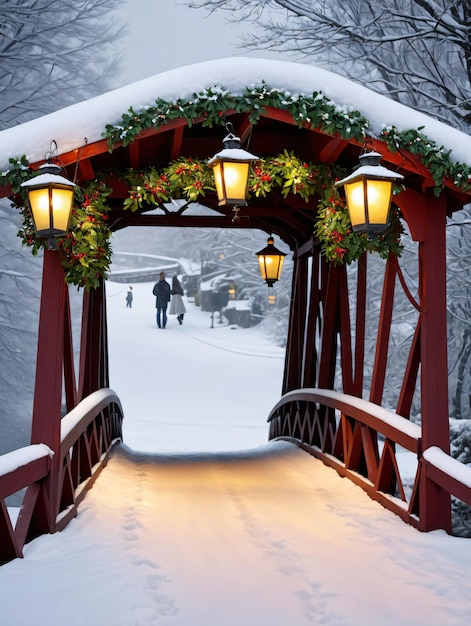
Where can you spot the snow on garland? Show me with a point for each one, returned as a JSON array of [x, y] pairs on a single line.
[[86, 248], [315, 110]]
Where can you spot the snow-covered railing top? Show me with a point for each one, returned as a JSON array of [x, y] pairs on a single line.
[[394, 426], [72, 126], [21, 457], [72, 424]]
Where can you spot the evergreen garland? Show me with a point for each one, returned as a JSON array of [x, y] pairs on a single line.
[[86, 248]]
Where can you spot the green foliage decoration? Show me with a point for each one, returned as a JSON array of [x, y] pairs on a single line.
[[86, 247], [191, 179], [87, 252], [211, 105], [316, 111], [435, 158]]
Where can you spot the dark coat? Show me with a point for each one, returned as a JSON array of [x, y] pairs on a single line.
[[161, 292]]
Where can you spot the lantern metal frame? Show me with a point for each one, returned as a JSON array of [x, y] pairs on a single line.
[[232, 161], [267, 255], [369, 173], [49, 182]]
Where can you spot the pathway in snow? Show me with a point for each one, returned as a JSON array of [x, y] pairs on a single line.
[[191, 387], [267, 537], [197, 521]]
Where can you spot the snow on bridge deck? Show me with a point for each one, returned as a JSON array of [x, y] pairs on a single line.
[[268, 536], [197, 521]]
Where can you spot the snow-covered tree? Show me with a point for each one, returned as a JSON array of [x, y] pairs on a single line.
[[53, 54], [418, 51]]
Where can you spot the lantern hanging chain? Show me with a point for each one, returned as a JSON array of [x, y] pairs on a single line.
[[79, 156], [52, 153], [230, 129], [249, 136]]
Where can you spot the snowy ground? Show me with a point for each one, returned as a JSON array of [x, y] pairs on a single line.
[[189, 388], [197, 521]]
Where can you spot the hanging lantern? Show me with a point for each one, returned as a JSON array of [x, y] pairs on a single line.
[[368, 191], [270, 260], [271, 298], [51, 198], [231, 168], [232, 292]]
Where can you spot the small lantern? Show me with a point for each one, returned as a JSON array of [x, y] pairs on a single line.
[[232, 292], [271, 298], [231, 169], [368, 191], [51, 198], [270, 260]]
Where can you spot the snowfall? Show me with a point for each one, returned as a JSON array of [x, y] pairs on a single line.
[[198, 520]]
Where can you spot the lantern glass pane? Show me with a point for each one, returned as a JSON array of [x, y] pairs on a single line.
[[39, 202], [62, 203], [263, 271], [356, 202], [218, 181], [379, 195], [270, 266], [236, 175]]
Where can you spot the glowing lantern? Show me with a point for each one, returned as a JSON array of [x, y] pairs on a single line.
[[368, 191]]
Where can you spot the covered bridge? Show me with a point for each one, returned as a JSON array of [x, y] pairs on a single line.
[[133, 149]]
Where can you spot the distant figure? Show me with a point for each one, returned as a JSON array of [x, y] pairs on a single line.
[[129, 298], [177, 307], [161, 292]]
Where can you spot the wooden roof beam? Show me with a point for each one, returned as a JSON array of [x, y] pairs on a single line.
[[332, 150]]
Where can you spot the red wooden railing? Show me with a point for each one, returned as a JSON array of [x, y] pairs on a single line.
[[88, 434], [359, 439]]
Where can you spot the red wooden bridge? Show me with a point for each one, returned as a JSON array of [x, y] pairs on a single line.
[[343, 424]]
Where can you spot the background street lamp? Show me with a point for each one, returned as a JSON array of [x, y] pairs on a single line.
[[368, 191], [51, 198], [270, 260], [231, 168]]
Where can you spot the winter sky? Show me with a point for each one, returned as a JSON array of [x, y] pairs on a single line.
[[165, 35]]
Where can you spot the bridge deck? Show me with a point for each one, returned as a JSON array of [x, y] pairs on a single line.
[[265, 537]]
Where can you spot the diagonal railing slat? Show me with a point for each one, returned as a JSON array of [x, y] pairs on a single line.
[[356, 433], [88, 433]]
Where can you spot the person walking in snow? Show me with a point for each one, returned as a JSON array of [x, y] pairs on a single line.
[[161, 292], [177, 307], [129, 298]]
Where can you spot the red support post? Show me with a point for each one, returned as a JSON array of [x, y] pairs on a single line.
[[46, 424], [360, 326], [93, 369], [312, 323], [295, 343], [435, 508], [384, 332]]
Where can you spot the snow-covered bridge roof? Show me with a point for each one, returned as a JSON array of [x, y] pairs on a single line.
[[69, 126], [317, 115]]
